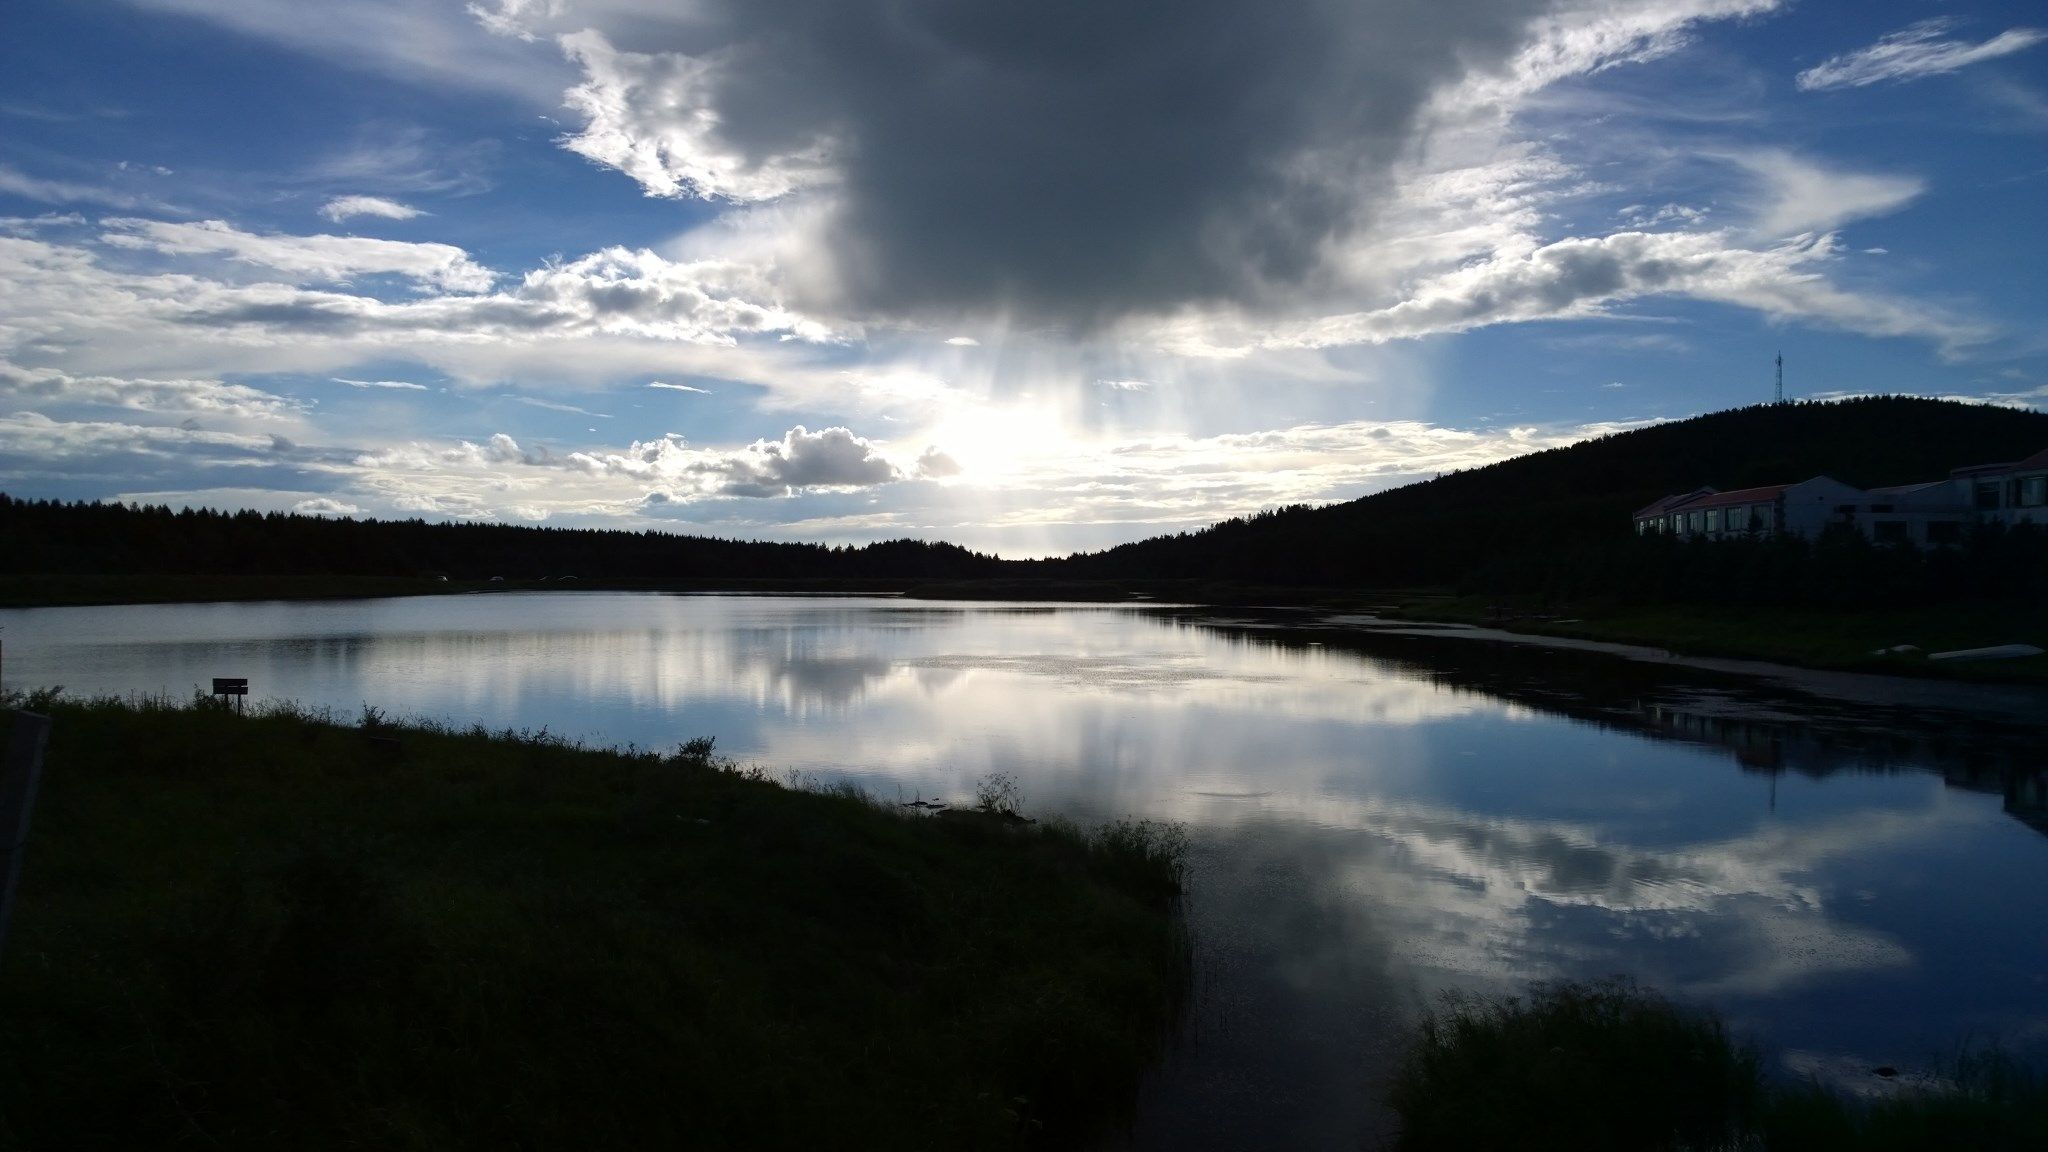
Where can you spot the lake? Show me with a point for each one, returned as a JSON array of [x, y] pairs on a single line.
[[1375, 818]]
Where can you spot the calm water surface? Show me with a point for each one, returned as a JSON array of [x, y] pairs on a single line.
[[1372, 824]]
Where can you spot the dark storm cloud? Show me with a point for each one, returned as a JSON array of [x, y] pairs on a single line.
[[1078, 159]]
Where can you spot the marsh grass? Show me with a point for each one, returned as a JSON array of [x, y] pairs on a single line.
[[278, 930], [1980, 1098], [1610, 1067], [1571, 1066]]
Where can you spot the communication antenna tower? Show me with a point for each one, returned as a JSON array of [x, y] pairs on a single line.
[[1778, 395]]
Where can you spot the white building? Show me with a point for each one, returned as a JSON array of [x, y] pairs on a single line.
[[1929, 514], [2014, 493], [1803, 509]]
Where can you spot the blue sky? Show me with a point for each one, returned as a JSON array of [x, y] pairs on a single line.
[[1032, 278]]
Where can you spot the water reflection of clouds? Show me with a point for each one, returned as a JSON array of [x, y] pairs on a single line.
[[1504, 900]]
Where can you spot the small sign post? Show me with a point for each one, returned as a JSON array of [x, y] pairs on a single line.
[[236, 686], [19, 774]]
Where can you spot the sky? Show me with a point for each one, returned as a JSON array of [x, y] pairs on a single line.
[[1030, 277]]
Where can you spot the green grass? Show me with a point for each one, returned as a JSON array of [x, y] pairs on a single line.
[[1608, 1067], [1844, 640], [278, 931]]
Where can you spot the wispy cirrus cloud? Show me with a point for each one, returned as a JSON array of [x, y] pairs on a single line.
[[558, 406], [176, 397], [1801, 195], [1915, 51], [15, 182], [1584, 277], [393, 385], [430, 45], [331, 259]]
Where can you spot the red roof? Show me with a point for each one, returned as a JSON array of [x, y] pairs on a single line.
[[1659, 507], [1740, 496], [2037, 460]]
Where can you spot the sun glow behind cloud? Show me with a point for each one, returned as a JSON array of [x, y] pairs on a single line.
[[1158, 330]]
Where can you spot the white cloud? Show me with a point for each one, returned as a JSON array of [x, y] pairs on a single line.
[[1913, 52], [667, 387], [469, 478], [831, 458], [332, 259], [1800, 195], [325, 506], [178, 397], [394, 385], [18, 183], [409, 158], [102, 445], [343, 207], [652, 118], [1125, 385], [828, 458], [30, 225], [513, 17], [638, 292], [1580, 277], [963, 341], [1579, 37], [933, 464], [415, 43], [558, 406], [609, 311]]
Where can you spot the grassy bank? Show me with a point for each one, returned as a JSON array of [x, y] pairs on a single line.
[[1843, 640], [277, 931], [1611, 1068]]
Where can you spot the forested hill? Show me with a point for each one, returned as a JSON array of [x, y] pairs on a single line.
[[1535, 509], [46, 538]]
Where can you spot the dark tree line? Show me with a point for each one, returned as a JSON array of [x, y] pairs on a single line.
[[52, 537], [1841, 569]]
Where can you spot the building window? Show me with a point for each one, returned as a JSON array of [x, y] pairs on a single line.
[[1760, 517], [2033, 491], [1943, 532], [1889, 532], [1987, 496], [1692, 521], [1713, 519]]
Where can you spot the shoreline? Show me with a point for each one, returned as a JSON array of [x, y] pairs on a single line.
[[2020, 699], [1843, 645]]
